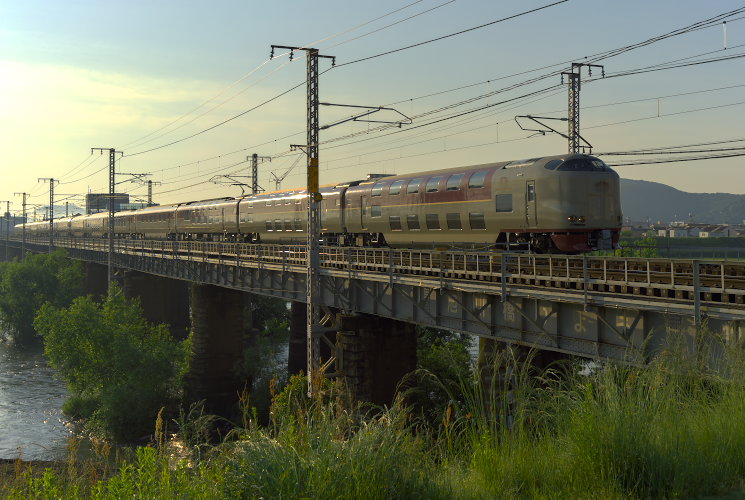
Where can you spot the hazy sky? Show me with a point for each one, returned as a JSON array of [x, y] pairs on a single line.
[[139, 75]]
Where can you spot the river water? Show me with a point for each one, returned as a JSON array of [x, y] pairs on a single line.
[[31, 421]]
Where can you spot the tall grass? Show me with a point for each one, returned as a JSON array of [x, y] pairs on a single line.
[[671, 429]]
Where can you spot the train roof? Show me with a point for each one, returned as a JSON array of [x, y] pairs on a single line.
[[536, 161]]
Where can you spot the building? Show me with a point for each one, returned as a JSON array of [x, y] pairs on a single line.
[[99, 202]]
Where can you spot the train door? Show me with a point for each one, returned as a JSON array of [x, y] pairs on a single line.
[[363, 212], [530, 217]]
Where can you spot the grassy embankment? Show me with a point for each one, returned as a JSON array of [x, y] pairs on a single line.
[[673, 429]]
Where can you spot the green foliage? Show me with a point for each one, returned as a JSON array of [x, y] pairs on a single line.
[[120, 370], [644, 247], [443, 362], [25, 286]]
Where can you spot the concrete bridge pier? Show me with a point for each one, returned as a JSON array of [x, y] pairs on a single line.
[[221, 328], [163, 300], [374, 353], [296, 356], [96, 279]]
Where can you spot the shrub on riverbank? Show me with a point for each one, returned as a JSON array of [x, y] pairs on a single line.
[[26, 285], [120, 370]]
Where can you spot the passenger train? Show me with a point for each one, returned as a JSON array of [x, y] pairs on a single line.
[[568, 203]]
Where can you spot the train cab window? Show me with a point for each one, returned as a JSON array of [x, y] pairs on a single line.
[[454, 221], [376, 211], [412, 222], [395, 222], [584, 165], [433, 221], [504, 202], [553, 164], [477, 180], [396, 187], [377, 189], [433, 184], [476, 221], [454, 182], [413, 186]]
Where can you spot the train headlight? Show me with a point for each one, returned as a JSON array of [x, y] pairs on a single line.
[[576, 219]]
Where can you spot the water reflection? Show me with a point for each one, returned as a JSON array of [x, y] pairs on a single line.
[[30, 400]]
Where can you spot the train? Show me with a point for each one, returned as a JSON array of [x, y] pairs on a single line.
[[564, 204]]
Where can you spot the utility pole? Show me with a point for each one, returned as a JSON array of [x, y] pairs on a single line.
[[112, 173], [150, 192], [23, 232], [575, 82], [67, 209], [255, 159], [7, 227], [314, 212], [51, 209]]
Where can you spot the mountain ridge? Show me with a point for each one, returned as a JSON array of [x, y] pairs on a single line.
[[659, 202]]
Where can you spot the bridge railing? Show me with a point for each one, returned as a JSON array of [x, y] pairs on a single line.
[[717, 280]]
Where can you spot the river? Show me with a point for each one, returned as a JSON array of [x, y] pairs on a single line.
[[31, 421]]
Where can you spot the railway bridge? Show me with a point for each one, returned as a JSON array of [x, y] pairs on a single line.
[[624, 309]]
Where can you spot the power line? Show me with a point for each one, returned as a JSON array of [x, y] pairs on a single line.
[[419, 44]]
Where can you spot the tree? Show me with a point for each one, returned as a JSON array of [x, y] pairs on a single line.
[[120, 370], [26, 285]]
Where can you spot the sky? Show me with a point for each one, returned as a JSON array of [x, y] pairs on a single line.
[[186, 90]]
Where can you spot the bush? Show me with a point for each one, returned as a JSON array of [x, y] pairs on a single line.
[[26, 285], [120, 370]]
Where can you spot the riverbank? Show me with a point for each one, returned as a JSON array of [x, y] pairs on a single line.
[[672, 429]]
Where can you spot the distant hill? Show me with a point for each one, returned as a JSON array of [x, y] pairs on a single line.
[[660, 202]]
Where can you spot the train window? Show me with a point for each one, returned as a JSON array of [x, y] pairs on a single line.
[[298, 225], [477, 180], [377, 189], [433, 184], [413, 186], [521, 163], [376, 211], [298, 201], [250, 204], [396, 187], [269, 226], [531, 192], [454, 221], [454, 182], [412, 222], [395, 222], [277, 224], [553, 164], [288, 201], [288, 225], [476, 221], [504, 202], [582, 165], [268, 203], [433, 221]]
